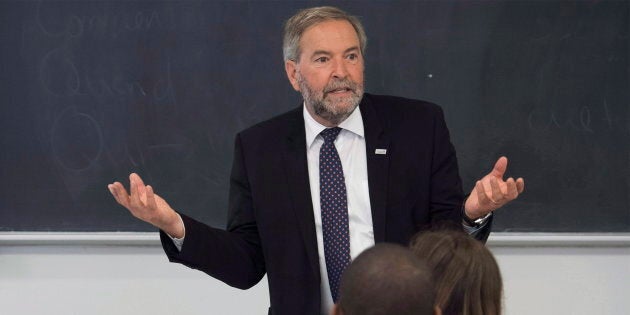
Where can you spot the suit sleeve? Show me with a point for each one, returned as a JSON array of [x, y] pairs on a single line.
[[446, 186], [447, 198], [233, 256]]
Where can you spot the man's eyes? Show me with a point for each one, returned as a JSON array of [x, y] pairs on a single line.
[[353, 57]]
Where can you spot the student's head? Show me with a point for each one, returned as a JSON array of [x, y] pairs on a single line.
[[466, 276], [323, 53], [386, 279]]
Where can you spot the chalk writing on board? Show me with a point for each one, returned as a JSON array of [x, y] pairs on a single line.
[[77, 140], [58, 74], [76, 26], [587, 119], [61, 76]]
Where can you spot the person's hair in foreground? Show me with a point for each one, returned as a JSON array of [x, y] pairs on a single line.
[[466, 276], [386, 279]]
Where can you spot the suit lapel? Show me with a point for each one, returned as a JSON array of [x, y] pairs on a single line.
[[299, 186], [377, 166]]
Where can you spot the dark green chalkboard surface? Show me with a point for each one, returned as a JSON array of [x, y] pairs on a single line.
[[93, 90]]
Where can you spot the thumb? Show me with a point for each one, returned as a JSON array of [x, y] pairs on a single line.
[[499, 167]]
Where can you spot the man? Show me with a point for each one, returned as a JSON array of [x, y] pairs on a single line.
[[386, 279], [312, 188]]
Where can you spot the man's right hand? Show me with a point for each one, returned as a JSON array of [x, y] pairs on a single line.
[[147, 206]]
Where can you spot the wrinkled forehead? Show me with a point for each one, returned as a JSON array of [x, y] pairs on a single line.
[[329, 35]]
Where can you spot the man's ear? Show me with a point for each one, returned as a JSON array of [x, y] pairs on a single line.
[[437, 310], [291, 68], [336, 310]]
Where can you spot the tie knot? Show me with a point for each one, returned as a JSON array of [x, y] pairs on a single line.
[[330, 134]]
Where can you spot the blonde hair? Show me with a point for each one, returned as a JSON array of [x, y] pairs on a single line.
[[466, 275]]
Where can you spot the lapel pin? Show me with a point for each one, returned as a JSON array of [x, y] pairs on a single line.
[[380, 151]]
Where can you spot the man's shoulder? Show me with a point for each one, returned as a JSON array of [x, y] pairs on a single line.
[[396, 106], [277, 125], [399, 102]]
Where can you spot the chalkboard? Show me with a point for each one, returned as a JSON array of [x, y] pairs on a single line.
[[94, 90]]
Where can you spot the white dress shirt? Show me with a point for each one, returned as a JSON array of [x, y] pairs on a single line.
[[350, 144]]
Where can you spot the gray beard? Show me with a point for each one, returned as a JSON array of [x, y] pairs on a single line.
[[328, 109]]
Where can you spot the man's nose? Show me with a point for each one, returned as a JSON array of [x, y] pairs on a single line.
[[339, 69]]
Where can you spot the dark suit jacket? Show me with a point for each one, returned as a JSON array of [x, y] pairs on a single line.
[[271, 227]]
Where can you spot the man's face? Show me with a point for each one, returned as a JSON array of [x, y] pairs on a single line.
[[329, 73]]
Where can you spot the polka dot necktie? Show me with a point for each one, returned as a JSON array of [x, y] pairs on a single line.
[[334, 206]]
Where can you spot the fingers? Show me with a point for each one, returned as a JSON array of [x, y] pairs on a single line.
[[497, 195], [137, 179], [142, 202], [502, 192], [138, 192], [120, 193], [141, 187], [151, 198], [512, 191], [493, 192], [482, 198], [142, 190], [520, 185], [490, 199], [134, 199], [481, 206], [499, 167]]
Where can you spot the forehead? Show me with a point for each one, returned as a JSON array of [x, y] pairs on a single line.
[[332, 36]]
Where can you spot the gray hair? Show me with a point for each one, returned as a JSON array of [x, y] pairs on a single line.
[[297, 24]]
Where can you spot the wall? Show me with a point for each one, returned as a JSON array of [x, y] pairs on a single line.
[[87, 274]]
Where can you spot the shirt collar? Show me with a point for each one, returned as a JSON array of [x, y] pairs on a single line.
[[354, 124]]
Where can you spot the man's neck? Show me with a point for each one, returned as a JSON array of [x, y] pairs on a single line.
[[320, 119]]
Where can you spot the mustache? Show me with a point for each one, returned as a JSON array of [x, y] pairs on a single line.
[[337, 84]]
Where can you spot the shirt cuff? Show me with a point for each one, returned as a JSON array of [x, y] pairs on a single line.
[[473, 230], [179, 242]]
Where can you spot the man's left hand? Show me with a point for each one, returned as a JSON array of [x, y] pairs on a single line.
[[492, 192]]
